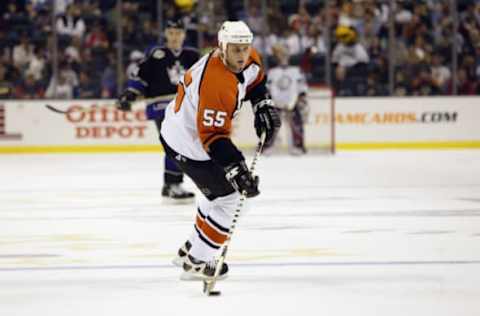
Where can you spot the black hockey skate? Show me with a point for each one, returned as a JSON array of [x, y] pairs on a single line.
[[176, 194], [182, 254], [194, 269]]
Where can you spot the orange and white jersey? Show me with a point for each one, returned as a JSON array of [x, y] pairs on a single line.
[[208, 97]]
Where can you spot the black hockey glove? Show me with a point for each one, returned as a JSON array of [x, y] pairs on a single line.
[[241, 179], [266, 119], [125, 100]]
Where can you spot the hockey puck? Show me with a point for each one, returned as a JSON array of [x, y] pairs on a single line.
[[208, 289]]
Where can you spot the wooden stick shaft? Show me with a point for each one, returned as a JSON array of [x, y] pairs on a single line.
[[210, 284]]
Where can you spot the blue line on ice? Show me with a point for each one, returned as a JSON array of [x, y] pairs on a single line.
[[248, 265]]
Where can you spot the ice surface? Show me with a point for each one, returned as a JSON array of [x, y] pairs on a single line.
[[371, 233]]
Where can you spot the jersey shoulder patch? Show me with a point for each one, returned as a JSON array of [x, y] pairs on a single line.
[[158, 53]]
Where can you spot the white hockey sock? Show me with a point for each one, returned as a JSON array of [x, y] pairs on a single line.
[[211, 229]]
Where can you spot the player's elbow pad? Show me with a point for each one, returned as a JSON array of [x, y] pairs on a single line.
[[224, 152]]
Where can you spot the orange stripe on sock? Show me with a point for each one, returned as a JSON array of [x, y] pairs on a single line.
[[199, 221], [213, 234], [210, 232]]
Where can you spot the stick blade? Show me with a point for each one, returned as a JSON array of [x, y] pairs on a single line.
[[208, 288], [51, 108]]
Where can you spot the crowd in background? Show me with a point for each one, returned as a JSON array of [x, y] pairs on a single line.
[[356, 42]]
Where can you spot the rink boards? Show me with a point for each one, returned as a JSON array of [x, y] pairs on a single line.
[[360, 124]]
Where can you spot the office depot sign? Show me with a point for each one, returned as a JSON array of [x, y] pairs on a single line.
[[106, 122], [95, 124]]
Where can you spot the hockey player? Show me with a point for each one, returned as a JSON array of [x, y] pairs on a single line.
[[196, 133], [288, 88], [157, 76]]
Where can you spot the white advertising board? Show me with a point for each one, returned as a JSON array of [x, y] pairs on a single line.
[[407, 120], [360, 123], [384, 123], [92, 125]]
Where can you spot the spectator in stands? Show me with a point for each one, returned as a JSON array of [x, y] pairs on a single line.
[[348, 52], [71, 24], [74, 50], [91, 10], [349, 56], [372, 29], [13, 17], [39, 5], [468, 63], [402, 87], [469, 32], [109, 78], [300, 22], [5, 48], [31, 12], [346, 14], [97, 38], [69, 74], [191, 21], [377, 80], [149, 34], [22, 53], [440, 73], [255, 19], [36, 65], [29, 89], [210, 16], [40, 19], [292, 40], [6, 88], [11, 72], [421, 84], [88, 64], [476, 12], [314, 41], [62, 90], [130, 8], [61, 6], [87, 88], [312, 61], [464, 86], [423, 36]]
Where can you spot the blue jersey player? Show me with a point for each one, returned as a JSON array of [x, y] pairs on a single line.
[[156, 77]]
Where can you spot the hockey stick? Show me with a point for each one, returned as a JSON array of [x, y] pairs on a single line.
[[147, 100], [208, 285]]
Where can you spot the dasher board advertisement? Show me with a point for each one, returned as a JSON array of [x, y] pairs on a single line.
[[360, 124]]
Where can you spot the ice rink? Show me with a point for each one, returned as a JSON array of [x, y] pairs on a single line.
[[358, 233]]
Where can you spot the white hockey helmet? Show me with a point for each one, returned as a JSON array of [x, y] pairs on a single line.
[[235, 32]]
